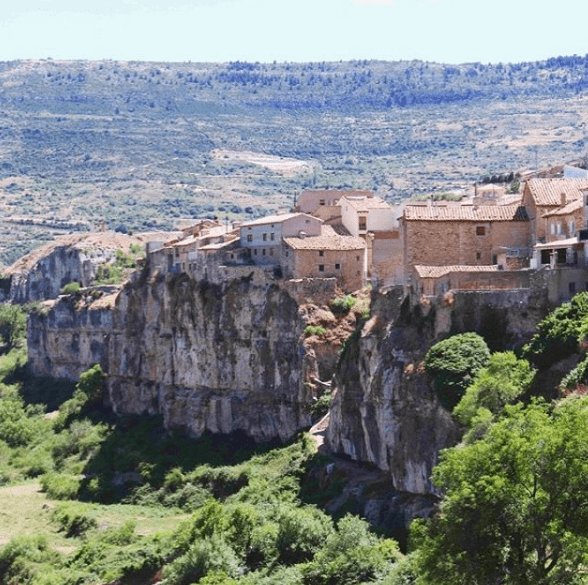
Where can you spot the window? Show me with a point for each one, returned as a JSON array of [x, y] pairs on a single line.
[[271, 251], [322, 202], [357, 258], [363, 223], [308, 221], [337, 266], [478, 255], [255, 251], [572, 288], [572, 227], [480, 230], [263, 252], [272, 236], [494, 259], [321, 252], [321, 267], [265, 237], [250, 237]]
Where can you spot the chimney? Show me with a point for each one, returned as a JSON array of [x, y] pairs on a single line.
[[563, 199], [302, 234]]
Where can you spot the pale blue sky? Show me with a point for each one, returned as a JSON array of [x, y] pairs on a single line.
[[447, 31]]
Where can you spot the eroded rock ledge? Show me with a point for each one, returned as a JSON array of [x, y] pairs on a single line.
[[218, 357]]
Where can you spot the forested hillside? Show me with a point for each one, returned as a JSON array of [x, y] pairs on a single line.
[[142, 145]]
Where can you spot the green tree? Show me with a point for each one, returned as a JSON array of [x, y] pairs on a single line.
[[559, 334], [501, 382], [13, 326], [454, 362], [351, 555], [515, 509]]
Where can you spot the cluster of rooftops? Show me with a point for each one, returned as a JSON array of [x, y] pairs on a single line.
[[428, 247]]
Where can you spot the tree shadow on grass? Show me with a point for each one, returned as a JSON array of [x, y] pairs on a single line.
[[139, 451]]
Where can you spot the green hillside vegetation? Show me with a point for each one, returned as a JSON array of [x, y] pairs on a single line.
[[142, 146], [89, 498]]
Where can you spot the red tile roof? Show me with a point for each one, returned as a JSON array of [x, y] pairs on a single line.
[[547, 192], [465, 213], [365, 203], [439, 271], [328, 240]]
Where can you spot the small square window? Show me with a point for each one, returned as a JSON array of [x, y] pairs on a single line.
[[337, 266], [321, 267], [250, 237], [322, 202], [480, 230], [321, 252], [357, 258]]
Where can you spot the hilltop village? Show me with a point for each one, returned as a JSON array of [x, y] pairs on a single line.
[[533, 238]]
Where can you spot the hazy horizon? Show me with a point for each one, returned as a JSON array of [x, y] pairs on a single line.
[[216, 31]]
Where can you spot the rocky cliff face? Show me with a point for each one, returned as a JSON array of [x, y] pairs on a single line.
[[385, 410], [229, 353], [216, 357], [42, 274]]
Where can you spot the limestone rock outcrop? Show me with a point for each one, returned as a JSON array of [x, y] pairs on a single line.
[[41, 275], [385, 410], [217, 357]]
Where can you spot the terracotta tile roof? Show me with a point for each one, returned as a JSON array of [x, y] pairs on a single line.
[[272, 219], [547, 192], [328, 240], [365, 203], [439, 271], [336, 192], [566, 209], [465, 213]]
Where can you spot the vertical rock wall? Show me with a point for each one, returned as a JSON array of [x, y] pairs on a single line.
[[217, 357], [385, 411]]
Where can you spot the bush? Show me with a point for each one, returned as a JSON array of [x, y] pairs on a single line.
[[558, 335], [209, 555], [73, 520], [454, 362], [23, 558], [317, 330], [13, 326], [577, 377], [501, 382], [351, 555], [71, 288], [342, 305], [60, 486]]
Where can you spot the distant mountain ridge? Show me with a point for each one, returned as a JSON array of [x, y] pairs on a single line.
[[141, 146], [326, 85]]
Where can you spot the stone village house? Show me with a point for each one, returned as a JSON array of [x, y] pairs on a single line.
[[431, 249], [501, 247]]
